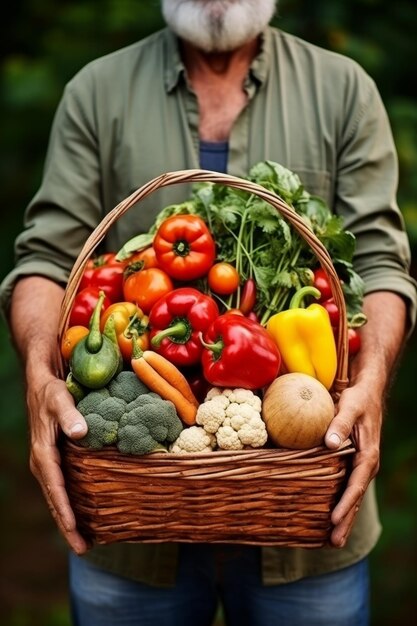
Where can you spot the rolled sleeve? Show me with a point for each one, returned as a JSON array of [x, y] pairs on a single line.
[[366, 197], [30, 268]]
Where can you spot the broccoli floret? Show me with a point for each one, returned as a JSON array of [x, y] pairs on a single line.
[[136, 439], [112, 409], [127, 386], [92, 400], [102, 414], [101, 432], [149, 426], [141, 400], [127, 414]]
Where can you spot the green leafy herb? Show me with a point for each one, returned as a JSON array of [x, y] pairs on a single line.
[[253, 236]]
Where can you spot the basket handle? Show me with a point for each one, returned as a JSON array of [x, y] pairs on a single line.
[[198, 175]]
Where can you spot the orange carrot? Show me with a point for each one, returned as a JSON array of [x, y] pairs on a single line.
[[171, 373], [149, 376]]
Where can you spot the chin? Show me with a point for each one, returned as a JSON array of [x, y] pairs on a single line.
[[218, 25]]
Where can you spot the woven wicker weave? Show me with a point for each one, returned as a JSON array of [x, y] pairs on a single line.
[[265, 497]]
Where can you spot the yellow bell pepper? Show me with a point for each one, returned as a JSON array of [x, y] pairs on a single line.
[[305, 339]]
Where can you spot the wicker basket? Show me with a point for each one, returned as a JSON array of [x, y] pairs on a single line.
[[260, 497]]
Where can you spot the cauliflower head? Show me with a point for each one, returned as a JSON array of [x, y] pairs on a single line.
[[193, 439], [234, 417]]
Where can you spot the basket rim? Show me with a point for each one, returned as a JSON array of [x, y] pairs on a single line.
[[320, 452], [201, 175]]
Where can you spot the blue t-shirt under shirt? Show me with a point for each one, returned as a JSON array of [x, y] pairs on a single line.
[[213, 155]]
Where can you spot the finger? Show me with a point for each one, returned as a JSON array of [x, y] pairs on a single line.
[[339, 430], [52, 483], [76, 542], [71, 421], [342, 530], [345, 511], [342, 424]]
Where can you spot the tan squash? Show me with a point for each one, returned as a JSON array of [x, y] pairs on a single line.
[[297, 410]]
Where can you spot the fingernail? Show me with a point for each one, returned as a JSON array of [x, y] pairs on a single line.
[[334, 438], [76, 429]]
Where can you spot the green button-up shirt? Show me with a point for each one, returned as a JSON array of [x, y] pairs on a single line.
[[131, 115]]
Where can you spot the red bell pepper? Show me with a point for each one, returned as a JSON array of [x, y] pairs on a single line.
[[105, 273], [177, 320], [83, 306], [184, 247], [238, 352]]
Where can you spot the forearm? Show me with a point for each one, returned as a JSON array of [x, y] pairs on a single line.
[[382, 340], [34, 316]]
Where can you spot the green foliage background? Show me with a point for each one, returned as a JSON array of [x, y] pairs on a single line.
[[43, 44]]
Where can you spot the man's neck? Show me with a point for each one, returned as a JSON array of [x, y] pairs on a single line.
[[218, 66], [218, 81]]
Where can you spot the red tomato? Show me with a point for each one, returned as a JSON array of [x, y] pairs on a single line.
[[105, 273], [333, 311], [146, 287], [354, 341], [108, 258], [184, 247], [223, 278], [83, 306], [322, 283]]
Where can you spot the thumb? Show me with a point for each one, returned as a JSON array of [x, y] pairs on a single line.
[[341, 426], [70, 420]]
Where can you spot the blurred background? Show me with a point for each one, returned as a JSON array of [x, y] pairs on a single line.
[[43, 43]]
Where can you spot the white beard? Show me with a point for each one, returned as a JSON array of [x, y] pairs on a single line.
[[218, 25]]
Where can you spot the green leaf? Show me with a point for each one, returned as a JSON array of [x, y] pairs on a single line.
[[184, 208], [269, 220], [263, 276], [137, 243], [316, 210]]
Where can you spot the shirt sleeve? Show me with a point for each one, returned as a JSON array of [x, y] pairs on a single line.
[[67, 207], [366, 197]]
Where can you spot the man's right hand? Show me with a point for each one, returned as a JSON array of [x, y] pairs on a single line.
[[34, 317], [51, 408]]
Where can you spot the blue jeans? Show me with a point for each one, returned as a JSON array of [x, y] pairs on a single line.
[[211, 574]]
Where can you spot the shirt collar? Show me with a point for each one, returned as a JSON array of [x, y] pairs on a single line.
[[174, 67]]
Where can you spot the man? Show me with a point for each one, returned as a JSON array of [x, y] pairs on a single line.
[[217, 84]]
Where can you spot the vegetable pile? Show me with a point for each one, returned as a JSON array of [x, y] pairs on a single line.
[[177, 341]]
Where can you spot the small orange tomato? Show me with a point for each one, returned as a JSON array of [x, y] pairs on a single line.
[[146, 287], [147, 256], [223, 278], [70, 339]]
